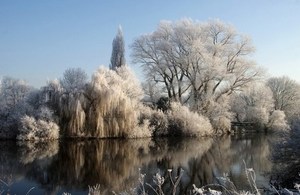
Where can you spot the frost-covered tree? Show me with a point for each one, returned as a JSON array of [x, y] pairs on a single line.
[[74, 80], [24, 114], [197, 63], [114, 106], [108, 106], [118, 51], [66, 98], [256, 105], [253, 105], [206, 59], [286, 94], [13, 105], [152, 92], [13, 91], [277, 121]]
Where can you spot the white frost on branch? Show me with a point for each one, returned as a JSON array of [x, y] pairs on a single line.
[[32, 129], [189, 123]]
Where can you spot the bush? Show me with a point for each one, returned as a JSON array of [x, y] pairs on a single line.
[[32, 129], [221, 124], [159, 123], [277, 121], [150, 123], [184, 122]]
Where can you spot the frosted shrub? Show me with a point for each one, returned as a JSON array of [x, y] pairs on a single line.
[[221, 124], [277, 121], [219, 115], [141, 131], [28, 129], [183, 121], [47, 130], [157, 121], [32, 129]]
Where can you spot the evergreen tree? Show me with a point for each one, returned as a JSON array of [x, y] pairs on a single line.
[[118, 51]]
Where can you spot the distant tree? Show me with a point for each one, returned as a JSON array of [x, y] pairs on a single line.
[[257, 105], [118, 51], [253, 104], [286, 94], [152, 92], [277, 121], [13, 105], [13, 91], [73, 80]]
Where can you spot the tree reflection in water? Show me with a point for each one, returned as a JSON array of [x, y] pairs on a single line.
[[31, 151], [114, 164], [286, 156]]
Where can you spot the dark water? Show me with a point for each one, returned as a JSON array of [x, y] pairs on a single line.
[[72, 166]]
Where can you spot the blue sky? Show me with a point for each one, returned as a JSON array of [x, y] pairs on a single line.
[[39, 39]]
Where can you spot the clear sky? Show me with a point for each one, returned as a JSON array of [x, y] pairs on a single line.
[[39, 39]]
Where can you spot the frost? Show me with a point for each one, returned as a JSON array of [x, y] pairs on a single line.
[[257, 105], [107, 106], [197, 64], [32, 129], [277, 121], [187, 122]]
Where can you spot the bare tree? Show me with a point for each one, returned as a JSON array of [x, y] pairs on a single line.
[[118, 51]]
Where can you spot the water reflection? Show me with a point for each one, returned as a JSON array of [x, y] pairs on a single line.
[[71, 166], [285, 155], [31, 151]]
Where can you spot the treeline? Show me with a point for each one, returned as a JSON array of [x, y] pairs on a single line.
[[199, 78]]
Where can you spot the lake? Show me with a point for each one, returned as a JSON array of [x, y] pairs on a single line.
[[73, 165]]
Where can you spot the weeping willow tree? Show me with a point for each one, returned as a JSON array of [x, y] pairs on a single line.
[[72, 115], [114, 98], [107, 106]]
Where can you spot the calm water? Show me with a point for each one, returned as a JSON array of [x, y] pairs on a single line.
[[71, 166]]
